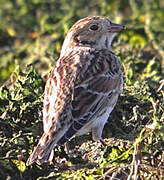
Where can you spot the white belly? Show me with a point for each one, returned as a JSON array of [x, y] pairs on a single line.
[[97, 122]]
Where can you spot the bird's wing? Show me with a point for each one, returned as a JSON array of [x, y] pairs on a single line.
[[50, 96], [76, 90], [100, 83], [57, 94]]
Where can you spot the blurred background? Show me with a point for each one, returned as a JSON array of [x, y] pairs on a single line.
[[33, 31], [31, 36]]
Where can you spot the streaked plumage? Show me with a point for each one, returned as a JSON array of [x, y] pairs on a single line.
[[83, 86]]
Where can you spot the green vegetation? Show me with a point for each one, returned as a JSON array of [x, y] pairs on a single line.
[[31, 35]]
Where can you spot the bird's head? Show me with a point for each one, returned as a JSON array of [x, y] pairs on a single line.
[[96, 32]]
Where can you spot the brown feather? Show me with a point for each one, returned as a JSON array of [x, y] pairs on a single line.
[[82, 88]]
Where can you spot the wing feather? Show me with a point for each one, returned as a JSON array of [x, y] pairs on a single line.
[[92, 95], [80, 98], [50, 96], [77, 91]]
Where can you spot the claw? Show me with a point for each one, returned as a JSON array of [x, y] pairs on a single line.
[[103, 142]]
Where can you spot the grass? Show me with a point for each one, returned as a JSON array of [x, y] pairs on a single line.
[[134, 133]]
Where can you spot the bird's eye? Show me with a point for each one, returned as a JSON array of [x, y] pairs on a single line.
[[94, 27]]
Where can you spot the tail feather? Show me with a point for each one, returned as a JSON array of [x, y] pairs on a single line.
[[43, 151]]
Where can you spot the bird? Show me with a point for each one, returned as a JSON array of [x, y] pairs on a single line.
[[82, 88]]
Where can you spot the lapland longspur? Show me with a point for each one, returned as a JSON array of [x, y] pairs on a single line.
[[82, 88]]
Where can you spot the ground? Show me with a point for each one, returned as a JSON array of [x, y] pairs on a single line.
[[31, 37]]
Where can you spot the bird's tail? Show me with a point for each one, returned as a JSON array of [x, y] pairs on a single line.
[[43, 151]]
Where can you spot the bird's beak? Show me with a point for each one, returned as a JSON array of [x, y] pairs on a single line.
[[114, 28]]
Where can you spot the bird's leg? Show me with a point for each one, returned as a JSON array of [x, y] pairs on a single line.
[[103, 142], [66, 147]]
